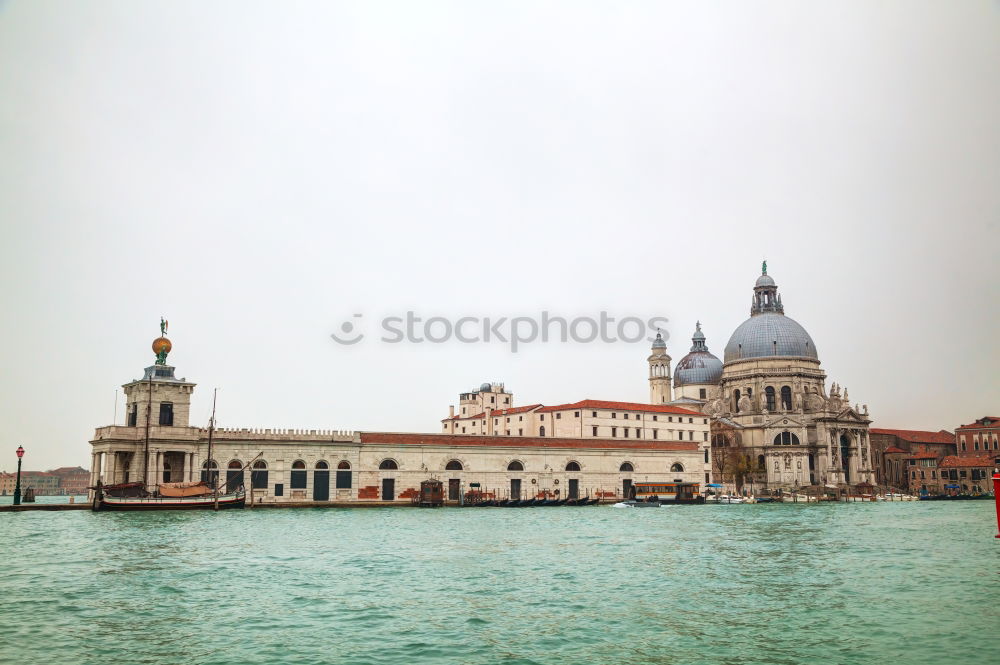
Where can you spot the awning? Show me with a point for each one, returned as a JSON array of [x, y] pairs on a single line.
[[713, 485], [952, 487]]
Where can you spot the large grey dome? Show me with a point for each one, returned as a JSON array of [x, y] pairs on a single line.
[[770, 334], [699, 366]]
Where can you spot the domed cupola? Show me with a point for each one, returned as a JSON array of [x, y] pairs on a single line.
[[768, 332], [699, 366]]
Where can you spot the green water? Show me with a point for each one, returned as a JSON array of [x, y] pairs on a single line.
[[901, 583]]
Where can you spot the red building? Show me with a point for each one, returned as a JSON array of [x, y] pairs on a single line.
[[979, 437], [895, 451]]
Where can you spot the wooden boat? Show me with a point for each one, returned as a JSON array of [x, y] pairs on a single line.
[[103, 502]]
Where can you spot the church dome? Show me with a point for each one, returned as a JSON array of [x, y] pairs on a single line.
[[699, 366], [485, 388], [658, 343], [768, 333]]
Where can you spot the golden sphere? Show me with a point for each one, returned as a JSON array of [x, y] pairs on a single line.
[[161, 343]]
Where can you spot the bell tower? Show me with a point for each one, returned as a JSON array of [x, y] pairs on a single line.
[[659, 372]]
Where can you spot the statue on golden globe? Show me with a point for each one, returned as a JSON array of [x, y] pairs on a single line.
[[162, 345]]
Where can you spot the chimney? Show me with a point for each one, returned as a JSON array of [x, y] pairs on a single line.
[[451, 410]]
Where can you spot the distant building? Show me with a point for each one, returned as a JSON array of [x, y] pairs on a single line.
[[72, 479], [43, 482], [968, 474], [892, 448], [979, 437]]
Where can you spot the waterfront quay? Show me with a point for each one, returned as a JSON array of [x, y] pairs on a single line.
[[783, 584]]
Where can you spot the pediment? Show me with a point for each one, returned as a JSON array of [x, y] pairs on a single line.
[[850, 415]]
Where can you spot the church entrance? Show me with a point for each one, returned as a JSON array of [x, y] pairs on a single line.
[[388, 489]]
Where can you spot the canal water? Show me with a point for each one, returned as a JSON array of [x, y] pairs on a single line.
[[903, 583]]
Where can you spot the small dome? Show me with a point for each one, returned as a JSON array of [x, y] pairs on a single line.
[[658, 343], [765, 280], [485, 388], [698, 367]]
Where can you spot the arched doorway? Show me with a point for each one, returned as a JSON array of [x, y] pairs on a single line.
[[321, 481], [845, 456], [234, 476], [258, 475]]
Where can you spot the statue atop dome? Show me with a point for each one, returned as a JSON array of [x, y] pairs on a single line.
[[162, 345]]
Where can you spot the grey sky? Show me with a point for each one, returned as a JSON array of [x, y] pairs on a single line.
[[258, 172]]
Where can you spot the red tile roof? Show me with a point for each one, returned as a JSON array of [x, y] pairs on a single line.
[[894, 449], [979, 425], [391, 438], [954, 461], [917, 436], [621, 406], [923, 456]]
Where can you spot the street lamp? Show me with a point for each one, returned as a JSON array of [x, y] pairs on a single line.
[[17, 484]]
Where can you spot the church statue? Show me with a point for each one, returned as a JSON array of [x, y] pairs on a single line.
[[763, 267], [161, 357], [745, 404], [163, 327]]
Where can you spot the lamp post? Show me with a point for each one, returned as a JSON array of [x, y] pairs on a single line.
[[17, 483]]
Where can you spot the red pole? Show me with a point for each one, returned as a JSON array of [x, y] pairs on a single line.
[[996, 497]]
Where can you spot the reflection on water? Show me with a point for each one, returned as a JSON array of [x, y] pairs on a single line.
[[857, 583]]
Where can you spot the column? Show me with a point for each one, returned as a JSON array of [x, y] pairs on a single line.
[[94, 468], [195, 466], [108, 476]]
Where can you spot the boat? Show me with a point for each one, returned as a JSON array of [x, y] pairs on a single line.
[[103, 502], [590, 502], [671, 493], [633, 503], [729, 498]]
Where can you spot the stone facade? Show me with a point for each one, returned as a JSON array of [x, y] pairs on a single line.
[[772, 392]]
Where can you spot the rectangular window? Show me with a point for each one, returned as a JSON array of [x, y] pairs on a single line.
[[690, 420], [166, 413], [508, 432], [133, 414], [656, 434], [576, 414], [705, 434], [705, 421], [625, 416], [614, 431], [299, 480], [614, 415], [702, 393], [625, 429], [670, 419], [638, 433], [962, 473], [558, 416], [654, 418], [541, 417], [520, 432], [595, 431], [593, 414], [520, 418], [706, 455], [279, 489]]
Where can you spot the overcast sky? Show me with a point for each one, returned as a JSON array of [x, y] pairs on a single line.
[[259, 172]]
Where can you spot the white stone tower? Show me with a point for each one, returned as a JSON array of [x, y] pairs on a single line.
[[659, 373]]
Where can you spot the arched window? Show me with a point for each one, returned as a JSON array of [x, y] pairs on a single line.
[[210, 473], [786, 439], [258, 475], [344, 475], [453, 465], [736, 401], [298, 476], [234, 475], [515, 466], [573, 466], [677, 467], [626, 467], [388, 465], [541, 431], [786, 398], [322, 465], [769, 399]]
